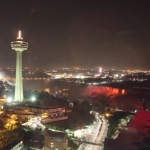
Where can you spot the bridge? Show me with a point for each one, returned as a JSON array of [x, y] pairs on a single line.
[[87, 142]]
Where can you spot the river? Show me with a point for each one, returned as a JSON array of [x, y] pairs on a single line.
[[76, 91], [67, 89]]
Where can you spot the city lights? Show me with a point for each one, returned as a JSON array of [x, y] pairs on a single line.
[[85, 79]]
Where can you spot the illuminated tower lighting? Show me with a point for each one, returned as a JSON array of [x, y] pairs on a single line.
[[19, 45], [100, 70]]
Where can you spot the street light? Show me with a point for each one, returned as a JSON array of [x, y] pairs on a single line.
[[34, 125], [9, 99], [33, 99], [1, 76]]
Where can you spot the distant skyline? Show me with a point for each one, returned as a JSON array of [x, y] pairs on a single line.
[[77, 33]]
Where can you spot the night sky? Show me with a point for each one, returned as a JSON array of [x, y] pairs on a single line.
[[77, 33]]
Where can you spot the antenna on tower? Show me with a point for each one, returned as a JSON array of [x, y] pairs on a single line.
[[19, 35]]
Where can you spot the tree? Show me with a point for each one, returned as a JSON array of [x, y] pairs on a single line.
[[2, 123], [2, 89]]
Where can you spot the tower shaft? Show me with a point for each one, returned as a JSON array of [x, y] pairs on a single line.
[[19, 46], [19, 85]]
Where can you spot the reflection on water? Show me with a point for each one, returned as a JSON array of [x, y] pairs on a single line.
[[65, 89], [39, 85], [121, 105]]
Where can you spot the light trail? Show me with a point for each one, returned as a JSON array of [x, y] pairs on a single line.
[[99, 131]]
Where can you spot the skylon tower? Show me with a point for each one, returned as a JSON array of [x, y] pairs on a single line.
[[19, 46]]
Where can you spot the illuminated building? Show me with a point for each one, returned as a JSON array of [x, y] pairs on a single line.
[[55, 140], [19, 46], [46, 114], [100, 70]]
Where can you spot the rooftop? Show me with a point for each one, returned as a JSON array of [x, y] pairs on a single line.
[[35, 105], [25, 147], [11, 145], [38, 145], [54, 134]]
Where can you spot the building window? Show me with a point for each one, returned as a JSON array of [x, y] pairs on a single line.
[[59, 140]]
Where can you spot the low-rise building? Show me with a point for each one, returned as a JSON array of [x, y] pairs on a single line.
[[45, 113], [55, 140], [16, 145]]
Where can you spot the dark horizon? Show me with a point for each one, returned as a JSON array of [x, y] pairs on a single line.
[[77, 33]]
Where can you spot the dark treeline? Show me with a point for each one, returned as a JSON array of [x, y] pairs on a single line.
[[2, 89], [39, 97]]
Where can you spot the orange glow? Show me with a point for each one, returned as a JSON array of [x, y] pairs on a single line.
[[44, 116], [115, 91], [47, 90], [95, 91], [63, 110], [107, 115], [123, 91]]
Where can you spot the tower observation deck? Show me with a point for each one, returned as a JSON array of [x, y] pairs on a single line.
[[19, 45]]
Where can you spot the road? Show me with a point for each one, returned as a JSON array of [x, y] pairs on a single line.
[[102, 134], [99, 131]]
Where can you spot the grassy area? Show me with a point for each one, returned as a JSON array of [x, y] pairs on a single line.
[[114, 122]]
